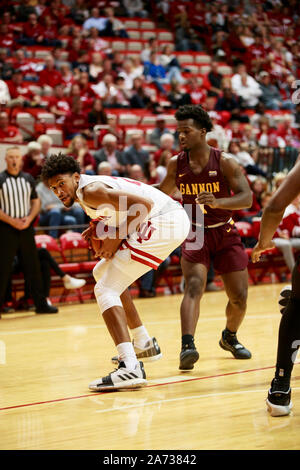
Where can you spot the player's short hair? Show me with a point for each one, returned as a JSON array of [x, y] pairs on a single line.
[[197, 113], [59, 164]]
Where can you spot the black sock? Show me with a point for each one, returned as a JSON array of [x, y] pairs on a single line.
[[288, 340], [228, 335], [187, 341]]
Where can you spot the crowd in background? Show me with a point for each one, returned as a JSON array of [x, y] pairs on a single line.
[[83, 82]]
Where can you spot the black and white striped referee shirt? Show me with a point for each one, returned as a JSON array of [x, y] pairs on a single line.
[[16, 193]]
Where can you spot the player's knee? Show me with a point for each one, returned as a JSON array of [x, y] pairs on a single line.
[[239, 299], [106, 297], [195, 286]]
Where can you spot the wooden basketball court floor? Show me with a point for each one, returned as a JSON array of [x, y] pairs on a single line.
[[47, 362]]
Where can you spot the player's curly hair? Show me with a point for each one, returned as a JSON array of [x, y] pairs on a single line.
[[197, 113], [59, 164]]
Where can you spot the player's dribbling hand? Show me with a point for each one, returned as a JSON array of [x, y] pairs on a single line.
[[259, 249], [207, 198]]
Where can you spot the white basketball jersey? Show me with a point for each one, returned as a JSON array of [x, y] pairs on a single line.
[[112, 217]]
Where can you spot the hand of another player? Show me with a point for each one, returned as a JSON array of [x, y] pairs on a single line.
[[259, 249], [87, 233], [108, 248], [208, 199]]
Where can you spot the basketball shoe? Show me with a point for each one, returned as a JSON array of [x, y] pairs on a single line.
[[279, 398], [121, 378], [151, 352], [188, 356], [229, 342], [284, 297]]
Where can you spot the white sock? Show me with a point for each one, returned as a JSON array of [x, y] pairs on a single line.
[[140, 336], [126, 354]]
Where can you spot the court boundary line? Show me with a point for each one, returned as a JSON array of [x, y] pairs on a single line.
[[91, 394]]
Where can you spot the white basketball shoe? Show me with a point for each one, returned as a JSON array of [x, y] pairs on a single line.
[[121, 378]]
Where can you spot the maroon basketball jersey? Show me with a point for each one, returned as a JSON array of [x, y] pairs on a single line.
[[210, 179]]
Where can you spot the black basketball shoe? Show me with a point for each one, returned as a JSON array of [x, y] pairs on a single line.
[[279, 398], [229, 342], [188, 356]]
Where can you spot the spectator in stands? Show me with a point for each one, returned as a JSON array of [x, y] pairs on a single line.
[[49, 76], [196, 91], [4, 93], [249, 137], [228, 102], [117, 26], [79, 150], [159, 130], [127, 72], [47, 265], [123, 94], [76, 121], [20, 93], [135, 154], [169, 61], [96, 67], [104, 168], [33, 159], [270, 93], [177, 95], [110, 153], [97, 115], [17, 215], [155, 73], [244, 158], [54, 213], [99, 22], [9, 133], [46, 143], [106, 90], [113, 128], [78, 12], [32, 31], [215, 80], [167, 142], [161, 169], [137, 173], [152, 46], [135, 8], [141, 97], [59, 104], [96, 43], [186, 38], [246, 87], [67, 78]]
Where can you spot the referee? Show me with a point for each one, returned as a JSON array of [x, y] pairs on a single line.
[[19, 206]]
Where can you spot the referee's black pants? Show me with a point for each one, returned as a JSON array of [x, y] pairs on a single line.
[[13, 241]]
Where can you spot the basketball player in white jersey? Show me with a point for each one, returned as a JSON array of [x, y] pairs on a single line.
[[140, 226]]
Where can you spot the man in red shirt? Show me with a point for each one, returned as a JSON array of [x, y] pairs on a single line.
[[32, 31], [50, 76], [76, 121], [9, 133], [20, 92]]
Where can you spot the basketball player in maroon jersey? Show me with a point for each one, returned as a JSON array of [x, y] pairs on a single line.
[[208, 177]]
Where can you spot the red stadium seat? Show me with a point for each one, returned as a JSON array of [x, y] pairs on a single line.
[[73, 247]]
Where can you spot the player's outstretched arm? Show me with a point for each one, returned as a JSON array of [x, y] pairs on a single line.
[[273, 212]]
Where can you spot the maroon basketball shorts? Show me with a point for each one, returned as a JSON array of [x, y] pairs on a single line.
[[221, 245]]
